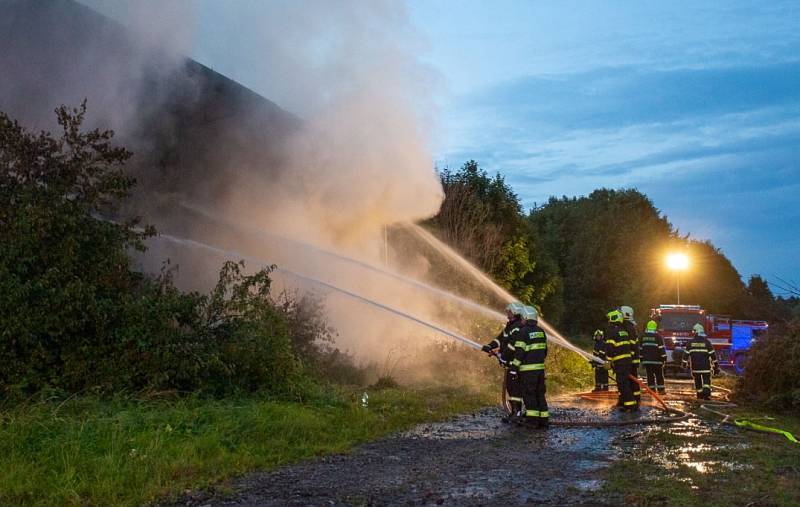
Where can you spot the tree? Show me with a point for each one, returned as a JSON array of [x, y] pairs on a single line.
[[64, 271], [482, 218]]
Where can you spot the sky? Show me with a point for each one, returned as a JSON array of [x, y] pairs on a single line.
[[694, 103]]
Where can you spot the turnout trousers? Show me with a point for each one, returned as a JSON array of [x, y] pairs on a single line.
[[636, 388], [655, 377], [514, 390], [625, 385], [600, 379], [533, 393], [702, 384]]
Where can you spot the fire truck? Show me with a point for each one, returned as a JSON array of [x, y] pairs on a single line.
[[731, 338]]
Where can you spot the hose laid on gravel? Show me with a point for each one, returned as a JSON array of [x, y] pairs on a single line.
[[680, 416]]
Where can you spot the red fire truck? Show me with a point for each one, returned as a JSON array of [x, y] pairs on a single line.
[[731, 337]]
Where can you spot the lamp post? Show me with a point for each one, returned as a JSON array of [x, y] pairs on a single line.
[[678, 262]]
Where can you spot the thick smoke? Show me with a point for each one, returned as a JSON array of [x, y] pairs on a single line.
[[219, 164]]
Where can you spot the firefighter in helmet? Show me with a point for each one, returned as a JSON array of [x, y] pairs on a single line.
[[600, 372], [504, 345], [653, 356], [703, 360], [619, 352], [633, 335], [530, 351]]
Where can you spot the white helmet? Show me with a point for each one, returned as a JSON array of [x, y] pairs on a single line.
[[699, 330], [516, 308], [627, 312], [530, 313]]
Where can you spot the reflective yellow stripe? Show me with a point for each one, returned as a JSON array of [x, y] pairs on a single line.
[[514, 398], [617, 358], [519, 344], [533, 346], [531, 367], [544, 413], [537, 334], [516, 362], [629, 403], [532, 413]]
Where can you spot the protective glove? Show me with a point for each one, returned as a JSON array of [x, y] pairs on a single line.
[[716, 370], [685, 364], [487, 349]]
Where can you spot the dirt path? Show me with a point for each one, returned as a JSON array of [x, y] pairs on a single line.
[[472, 460]]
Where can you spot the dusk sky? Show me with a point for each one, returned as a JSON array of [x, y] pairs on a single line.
[[694, 103]]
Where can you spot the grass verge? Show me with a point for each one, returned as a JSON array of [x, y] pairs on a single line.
[[88, 451], [705, 463]]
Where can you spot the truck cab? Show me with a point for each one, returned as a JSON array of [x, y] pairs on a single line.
[[675, 323]]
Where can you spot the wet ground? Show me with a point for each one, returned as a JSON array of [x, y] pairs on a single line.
[[474, 459]]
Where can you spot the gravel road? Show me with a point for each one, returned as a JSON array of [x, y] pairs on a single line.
[[473, 459]]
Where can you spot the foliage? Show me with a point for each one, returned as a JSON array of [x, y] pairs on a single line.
[[74, 316], [482, 218], [771, 375]]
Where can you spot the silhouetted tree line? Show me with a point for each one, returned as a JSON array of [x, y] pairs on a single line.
[[578, 257]]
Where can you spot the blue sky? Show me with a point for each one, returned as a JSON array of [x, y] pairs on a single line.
[[694, 103]]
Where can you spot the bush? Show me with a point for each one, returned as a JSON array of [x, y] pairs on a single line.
[[74, 316], [771, 374]]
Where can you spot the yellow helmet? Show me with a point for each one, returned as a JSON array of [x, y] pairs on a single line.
[[652, 326], [699, 329], [614, 316]]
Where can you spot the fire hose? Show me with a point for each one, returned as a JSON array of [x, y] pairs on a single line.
[[679, 415]]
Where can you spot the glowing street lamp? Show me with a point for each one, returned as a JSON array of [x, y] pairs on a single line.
[[678, 262]]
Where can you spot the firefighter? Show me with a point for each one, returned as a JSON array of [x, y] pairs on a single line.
[[504, 345], [530, 351], [702, 359], [619, 348], [653, 357], [630, 326], [600, 373]]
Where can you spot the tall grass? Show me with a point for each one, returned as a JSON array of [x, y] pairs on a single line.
[[87, 451]]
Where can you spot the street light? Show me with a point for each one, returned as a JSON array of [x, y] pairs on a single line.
[[678, 262]]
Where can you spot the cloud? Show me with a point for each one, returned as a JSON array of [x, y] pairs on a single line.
[[716, 148]]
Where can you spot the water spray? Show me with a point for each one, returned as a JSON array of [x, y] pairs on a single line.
[[489, 312], [230, 253], [437, 245], [480, 276]]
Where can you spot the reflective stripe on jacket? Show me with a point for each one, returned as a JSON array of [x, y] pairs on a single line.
[[701, 354], [652, 349], [618, 346], [530, 348]]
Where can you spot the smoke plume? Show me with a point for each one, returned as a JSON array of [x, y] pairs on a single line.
[[334, 158]]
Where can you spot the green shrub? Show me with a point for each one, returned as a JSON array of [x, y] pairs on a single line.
[[771, 374], [75, 317]]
